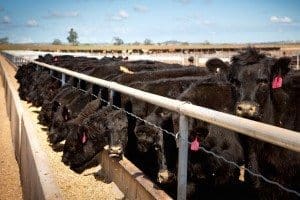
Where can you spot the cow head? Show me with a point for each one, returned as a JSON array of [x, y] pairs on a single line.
[[254, 76], [145, 137], [217, 66], [147, 134], [58, 130], [82, 145], [117, 126]]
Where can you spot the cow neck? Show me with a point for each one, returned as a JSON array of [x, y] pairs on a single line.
[[268, 112]]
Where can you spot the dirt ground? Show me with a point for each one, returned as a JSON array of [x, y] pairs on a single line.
[[10, 184]]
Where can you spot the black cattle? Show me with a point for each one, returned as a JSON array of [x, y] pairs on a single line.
[[58, 130], [209, 91], [214, 177], [262, 95], [43, 87], [72, 126], [164, 87], [83, 145], [160, 74], [49, 107], [24, 76]]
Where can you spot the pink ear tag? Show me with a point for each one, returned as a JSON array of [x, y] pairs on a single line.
[[83, 139], [195, 145], [55, 59], [277, 82]]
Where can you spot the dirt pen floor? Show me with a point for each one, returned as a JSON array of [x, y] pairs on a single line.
[[10, 184]]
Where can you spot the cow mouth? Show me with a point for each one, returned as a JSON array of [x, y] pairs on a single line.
[[114, 155], [115, 152]]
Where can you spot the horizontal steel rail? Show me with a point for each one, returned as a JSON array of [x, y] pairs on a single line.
[[278, 136]]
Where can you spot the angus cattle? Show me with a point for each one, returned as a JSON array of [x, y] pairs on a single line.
[[49, 107], [262, 96], [58, 131], [209, 91], [164, 87], [160, 74], [87, 141]]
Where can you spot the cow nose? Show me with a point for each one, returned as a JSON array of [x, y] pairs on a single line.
[[115, 151], [164, 176], [246, 108]]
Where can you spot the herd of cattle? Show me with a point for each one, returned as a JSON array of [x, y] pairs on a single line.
[[252, 85]]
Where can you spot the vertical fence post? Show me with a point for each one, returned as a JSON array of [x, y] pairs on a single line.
[[182, 158], [63, 79]]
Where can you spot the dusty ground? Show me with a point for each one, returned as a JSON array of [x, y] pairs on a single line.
[[10, 184], [72, 185]]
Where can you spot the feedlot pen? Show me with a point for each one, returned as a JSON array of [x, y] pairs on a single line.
[[42, 174], [287, 139]]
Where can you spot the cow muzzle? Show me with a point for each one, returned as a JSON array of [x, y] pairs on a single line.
[[247, 109], [164, 176], [115, 151]]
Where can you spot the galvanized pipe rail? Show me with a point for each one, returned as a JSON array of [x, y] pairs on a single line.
[[272, 134], [278, 136]]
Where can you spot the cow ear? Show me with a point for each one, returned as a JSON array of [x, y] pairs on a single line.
[[214, 64], [281, 66]]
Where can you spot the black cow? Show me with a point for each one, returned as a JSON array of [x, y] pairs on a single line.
[[209, 91], [263, 96], [58, 130], [83, 144], [49, 107], [164, 87]]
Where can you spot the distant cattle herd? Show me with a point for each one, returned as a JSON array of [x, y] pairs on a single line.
[[252, 85]]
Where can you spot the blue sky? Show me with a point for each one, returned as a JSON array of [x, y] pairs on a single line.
[[98, 21]]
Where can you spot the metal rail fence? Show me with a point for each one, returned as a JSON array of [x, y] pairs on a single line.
[[278, 136]]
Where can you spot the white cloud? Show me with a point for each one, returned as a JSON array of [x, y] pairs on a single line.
[[31, 23], [140, 8], [278, 19], [56, 14], [6, 20], [121, 15]]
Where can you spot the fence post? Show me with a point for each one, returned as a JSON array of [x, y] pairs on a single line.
[[182, 158], [63, 79]]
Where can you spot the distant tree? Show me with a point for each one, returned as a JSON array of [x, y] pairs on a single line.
[[206, 42], [56, 42], [73, 36], [147, 41], [185, 43], [117, 41], [136, 43], [4, 40]]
